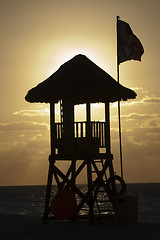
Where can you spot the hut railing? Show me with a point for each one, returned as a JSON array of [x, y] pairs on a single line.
[[97, 130]]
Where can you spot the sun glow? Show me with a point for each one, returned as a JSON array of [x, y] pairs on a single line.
[[94, 54], [69, 53]]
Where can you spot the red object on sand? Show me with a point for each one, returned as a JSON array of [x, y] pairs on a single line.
[[64, 204]]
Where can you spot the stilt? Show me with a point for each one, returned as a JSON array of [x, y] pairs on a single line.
[[90, 190], [48, 191]]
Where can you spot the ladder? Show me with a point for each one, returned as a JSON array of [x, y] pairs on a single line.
[[61, 115], [102, 201]]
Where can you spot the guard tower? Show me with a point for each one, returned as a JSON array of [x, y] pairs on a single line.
[[84, 144]]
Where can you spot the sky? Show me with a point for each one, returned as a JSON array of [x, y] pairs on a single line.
[[37, 36]]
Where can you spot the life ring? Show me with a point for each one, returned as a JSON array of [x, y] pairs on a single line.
[[122, 182]]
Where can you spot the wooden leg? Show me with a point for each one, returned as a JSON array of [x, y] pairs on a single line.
[[90, 191], [111, 171], [48, 191], [73, 177]]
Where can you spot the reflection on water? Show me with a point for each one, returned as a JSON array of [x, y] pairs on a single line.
[[29, 200]]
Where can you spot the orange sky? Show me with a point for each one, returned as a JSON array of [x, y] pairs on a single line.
[[36, 38]]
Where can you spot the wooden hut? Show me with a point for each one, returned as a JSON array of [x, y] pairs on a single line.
[[80, 81]]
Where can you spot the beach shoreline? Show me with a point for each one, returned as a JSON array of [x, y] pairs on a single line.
[[28, 227]]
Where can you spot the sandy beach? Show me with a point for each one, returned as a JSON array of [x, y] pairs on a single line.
[[26, 227]]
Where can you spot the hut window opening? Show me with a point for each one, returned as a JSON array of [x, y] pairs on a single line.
[[97, 123], [80, 113], [57, 113], [80, 120], [98, 112]]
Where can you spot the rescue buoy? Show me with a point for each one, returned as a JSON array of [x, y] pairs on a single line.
[[64, 204], [120, 180]]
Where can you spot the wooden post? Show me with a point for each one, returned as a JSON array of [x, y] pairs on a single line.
[[90, 189], [51, 163], [88, 113], [48, 191], [108, 147], [52, 129], [73, 176], [89, 167], [107, 130], [68, 125]]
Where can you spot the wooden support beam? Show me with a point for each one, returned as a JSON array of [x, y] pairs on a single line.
[[68, 126], [96, 182], [77, 172], [59, 184], [107, 126], [90, 190], [69, 184], [48, 191], [88, 113], [73, 172], [52, 129]]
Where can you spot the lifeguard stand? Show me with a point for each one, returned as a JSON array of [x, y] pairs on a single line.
[[80, 81]]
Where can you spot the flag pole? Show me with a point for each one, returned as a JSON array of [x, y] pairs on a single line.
[[119, 111]]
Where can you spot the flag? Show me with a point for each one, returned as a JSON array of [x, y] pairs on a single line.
[[128, 45]]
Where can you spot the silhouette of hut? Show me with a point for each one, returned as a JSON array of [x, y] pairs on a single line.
[[80, 81]]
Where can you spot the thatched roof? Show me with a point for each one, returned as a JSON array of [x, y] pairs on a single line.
[[79, 80]]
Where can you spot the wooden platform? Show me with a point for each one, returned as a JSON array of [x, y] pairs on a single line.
[[82, 156]]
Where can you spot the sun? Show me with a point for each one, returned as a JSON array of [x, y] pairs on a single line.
[[90, 52], [62, 52], [69, 53]]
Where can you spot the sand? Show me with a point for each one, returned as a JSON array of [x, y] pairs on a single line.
[[26, 227]]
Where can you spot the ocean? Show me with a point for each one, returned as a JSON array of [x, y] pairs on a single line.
[[29, 200]]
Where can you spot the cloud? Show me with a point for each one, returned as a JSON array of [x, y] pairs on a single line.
[[151, 123], [143, 120], [137, 121], [24, 125], [138, 129], [142, 99], [140, 153], [23, 165], [139, 118], [151, 100], [33, 113], [24, 158], [140, 90], [143, 136], [24, 153], [135, 116]]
